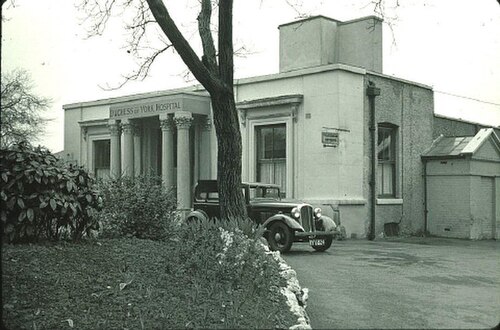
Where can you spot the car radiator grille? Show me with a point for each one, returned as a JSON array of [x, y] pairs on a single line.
[[306, 215]]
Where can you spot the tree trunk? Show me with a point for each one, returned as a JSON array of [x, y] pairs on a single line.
[[227, 127], [217, 78]]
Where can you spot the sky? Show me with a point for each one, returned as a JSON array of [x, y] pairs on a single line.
[[453, 46]]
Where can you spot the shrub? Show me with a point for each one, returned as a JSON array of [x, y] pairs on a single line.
[[43, 198], [245, 226], [222, 266], [137, 207]]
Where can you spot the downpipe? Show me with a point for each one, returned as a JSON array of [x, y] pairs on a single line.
[[372, 91], [426, 210]]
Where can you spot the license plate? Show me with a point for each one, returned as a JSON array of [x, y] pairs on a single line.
[[317, 242]]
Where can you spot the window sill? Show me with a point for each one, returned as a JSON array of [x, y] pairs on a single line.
[[389, 201], [349, 201]]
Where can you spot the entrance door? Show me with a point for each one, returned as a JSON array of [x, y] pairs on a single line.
[[102, 158]]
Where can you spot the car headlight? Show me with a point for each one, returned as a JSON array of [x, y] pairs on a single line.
[[317, 212], [295, 213]]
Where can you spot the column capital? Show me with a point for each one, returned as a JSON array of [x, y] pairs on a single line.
[[167, 124], [128, 127], [114, 128], [183, 122]]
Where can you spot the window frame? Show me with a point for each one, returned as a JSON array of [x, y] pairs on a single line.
[[260, 153], [393, 161], [255, 120]]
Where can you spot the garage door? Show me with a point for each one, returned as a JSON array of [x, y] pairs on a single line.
[[485, 225]]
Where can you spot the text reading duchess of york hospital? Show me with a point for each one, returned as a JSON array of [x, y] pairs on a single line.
[[143, 109]]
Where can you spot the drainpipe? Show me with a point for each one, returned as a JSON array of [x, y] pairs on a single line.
[[426, 210], [372, 92]]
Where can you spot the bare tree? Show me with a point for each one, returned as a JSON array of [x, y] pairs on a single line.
[[21, 109]]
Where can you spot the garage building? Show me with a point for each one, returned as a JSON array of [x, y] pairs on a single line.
[[462, 178]]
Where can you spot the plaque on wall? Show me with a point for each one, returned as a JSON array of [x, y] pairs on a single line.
[[330, 139]]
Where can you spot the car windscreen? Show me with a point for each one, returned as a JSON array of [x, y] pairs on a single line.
[[264, 193], [209, 196]]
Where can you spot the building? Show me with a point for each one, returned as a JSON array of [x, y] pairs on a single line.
[[324, 128], [462, 186]]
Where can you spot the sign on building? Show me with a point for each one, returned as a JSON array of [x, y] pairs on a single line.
[[330, 139]]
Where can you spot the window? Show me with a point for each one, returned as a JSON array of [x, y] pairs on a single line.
[[271, 155], [102, 158], [386, 155]]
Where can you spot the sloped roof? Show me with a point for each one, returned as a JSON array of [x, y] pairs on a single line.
[[457, 147]]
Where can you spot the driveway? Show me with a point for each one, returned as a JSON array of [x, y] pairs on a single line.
[[405, 283]]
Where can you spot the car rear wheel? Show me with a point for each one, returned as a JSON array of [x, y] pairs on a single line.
[[196, 216], [280, 237], [326, 246]]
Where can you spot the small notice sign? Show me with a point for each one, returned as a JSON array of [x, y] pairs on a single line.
[[330, 139]]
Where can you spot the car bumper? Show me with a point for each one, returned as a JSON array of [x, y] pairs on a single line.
[[308, 234]]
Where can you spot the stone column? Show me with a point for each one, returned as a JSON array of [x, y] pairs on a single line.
[[167, 152], [137, 151], [206, 149], [213, 153], [183, 120], [115, 170], [84, 152], [128, 148]]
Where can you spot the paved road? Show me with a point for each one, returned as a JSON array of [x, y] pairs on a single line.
[[411, 283]]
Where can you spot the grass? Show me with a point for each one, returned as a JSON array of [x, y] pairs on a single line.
[[138, 284]]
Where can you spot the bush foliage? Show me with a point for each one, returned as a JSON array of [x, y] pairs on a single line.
[[42, 198], [136, 207], [229, 268]]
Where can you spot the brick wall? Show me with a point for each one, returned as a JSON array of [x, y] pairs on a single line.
[[455, 127]]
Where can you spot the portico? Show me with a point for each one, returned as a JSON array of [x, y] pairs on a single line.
[[160, 136]]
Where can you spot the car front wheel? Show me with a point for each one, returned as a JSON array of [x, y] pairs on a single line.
[[326, 246], [280, 237]]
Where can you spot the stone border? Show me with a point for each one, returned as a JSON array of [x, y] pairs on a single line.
[[296, 296]]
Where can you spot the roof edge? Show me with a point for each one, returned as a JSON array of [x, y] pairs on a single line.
[[460, 156], [193, 90], [409, 82], [309, 18], [463, 120], [479, 139]]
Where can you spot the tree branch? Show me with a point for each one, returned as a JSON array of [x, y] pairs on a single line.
[[100, 15], [209, 57], [168, 26], [142, 72], [226, 61], [20, 108]]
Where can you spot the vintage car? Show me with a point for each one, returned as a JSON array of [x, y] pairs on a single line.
[[284, 221]]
